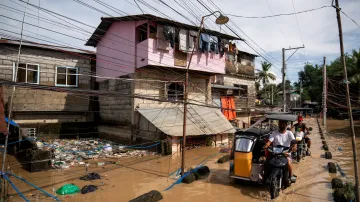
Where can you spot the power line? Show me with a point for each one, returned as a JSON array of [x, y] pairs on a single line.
[[297, 22], [257, 52], [350, 18], [277, 15], [266, 53], [207, 67], [277, 23]]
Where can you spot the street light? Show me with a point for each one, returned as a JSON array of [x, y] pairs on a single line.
[[220, 21]]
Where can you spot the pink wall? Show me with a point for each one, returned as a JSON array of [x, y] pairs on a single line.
[[117, 55], [116, 50], [208, 62]]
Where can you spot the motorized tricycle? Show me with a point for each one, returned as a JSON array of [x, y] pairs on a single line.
[[248, 159]]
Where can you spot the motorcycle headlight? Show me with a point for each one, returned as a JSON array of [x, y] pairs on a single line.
[[278, 150]]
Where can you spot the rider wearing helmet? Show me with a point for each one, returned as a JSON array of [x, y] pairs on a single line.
[[302, 126]]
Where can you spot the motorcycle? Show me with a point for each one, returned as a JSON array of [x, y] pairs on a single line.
[[301, 146], [278, 176]]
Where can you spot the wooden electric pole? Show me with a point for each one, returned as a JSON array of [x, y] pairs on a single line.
[[283, 79], [324, 92], [348, 101], [272, 95], [284, 71]]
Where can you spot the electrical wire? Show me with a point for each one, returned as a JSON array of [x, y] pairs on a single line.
[[247, 43], [277, 23], [350, 18], [297, 22], [277, 15]]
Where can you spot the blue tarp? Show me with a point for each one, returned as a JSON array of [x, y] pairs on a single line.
[[11, 122]]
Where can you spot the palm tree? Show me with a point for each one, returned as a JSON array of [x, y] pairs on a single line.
[[264, 75], [354, 68]]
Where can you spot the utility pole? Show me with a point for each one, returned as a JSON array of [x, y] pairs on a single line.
[[283, 79], [283, 71], [301, 91], [348, 101], [272, 95], [219, 20], [11, 105], [324, 92]]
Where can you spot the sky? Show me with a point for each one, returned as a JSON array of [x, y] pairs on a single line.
[[316, 30]]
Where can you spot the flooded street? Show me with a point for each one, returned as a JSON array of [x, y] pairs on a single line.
[[133, 176]]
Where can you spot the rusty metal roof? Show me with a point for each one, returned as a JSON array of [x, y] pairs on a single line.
[[45, 46], [106, 22]]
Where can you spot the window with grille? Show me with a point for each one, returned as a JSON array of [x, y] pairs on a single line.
[[26, 73], [67, 76], [175, 92]]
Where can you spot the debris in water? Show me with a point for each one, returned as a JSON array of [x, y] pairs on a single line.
[[68, 189], [224, 159], [152, 196], [90, 176], [88, 188]]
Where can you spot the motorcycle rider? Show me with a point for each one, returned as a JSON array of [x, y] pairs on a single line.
[[300, 124], [283, 137]]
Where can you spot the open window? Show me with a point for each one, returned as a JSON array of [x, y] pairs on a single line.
[[27, 73], [141, 33], [242, 92], [175, 92]]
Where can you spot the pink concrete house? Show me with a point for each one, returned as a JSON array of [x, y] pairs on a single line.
[[148, 56]]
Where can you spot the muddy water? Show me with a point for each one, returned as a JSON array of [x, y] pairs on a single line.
[[132, 177], [339, 141]]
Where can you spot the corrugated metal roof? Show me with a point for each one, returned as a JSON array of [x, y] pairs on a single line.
[[225, 87], [106, 22], [200, 120], [45, 46], [283, 117]]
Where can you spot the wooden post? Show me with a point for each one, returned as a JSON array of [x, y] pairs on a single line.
[[324, 92], [348, 101]]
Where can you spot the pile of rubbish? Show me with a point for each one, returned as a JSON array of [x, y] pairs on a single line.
[[70, 152]]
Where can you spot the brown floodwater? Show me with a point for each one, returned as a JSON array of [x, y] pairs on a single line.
[[134, 176]]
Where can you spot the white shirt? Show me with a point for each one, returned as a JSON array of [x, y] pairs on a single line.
[[281, 139], [299, 134]]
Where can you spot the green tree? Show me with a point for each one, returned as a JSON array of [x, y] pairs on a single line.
[[264, 75], [288, 85]]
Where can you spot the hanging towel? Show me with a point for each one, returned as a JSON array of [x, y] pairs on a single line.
[[213, 44], [222, 46], [183, 40], [231, 48], [162, 44], [192, 40], [204, 42], [228, 107], [169, 34]]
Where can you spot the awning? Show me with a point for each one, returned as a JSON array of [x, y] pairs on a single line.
[[225, 87], [200, 120]]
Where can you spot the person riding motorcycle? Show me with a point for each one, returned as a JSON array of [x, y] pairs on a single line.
[[283, 137], [300, 124]]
